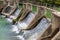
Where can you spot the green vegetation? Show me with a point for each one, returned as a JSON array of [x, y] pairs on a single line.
[[48, 14], [34, 8], [57, 8], [57, 1], [20, 6], [49, 1]]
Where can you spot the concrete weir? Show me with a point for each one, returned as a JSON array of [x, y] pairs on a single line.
[[8, 10], [14, 15], [24, 12], [29, 25], [33, 34], [54, 28], [38, 30], [24, 23], [30, 21], [57, 36], [2, 5]]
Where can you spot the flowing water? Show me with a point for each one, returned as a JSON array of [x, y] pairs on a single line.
[[6, 30], [16, 13], [14, 16], [24, 23], [34, 33]]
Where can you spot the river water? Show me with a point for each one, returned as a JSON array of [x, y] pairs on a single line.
[[6, 32]]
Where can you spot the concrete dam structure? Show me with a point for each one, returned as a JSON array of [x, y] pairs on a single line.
[[25, 24]]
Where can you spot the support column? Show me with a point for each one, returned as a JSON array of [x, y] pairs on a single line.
[[10, 2], [55, 23], [57, 36], [55, 20], [29, 6], [24, 5], [40, 10], [17, 2]]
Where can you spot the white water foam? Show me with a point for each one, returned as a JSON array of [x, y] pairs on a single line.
[[24, 23]]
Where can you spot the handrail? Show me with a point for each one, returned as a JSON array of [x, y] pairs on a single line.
[[40, 6]]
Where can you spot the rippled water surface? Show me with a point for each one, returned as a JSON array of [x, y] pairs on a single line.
[[6, 30]]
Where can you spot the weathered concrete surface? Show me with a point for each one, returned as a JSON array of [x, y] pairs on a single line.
[[25, 22], [57, 36], [15, 14], [55, 26], [37, 31], [8, 10], [55, 21], [22, 15], [2, 5], [39, 14], [33, 21]]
